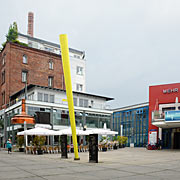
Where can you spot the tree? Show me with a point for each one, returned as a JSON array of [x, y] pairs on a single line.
[[12, 33]]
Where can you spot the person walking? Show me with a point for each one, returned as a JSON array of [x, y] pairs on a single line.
[[9, 145]]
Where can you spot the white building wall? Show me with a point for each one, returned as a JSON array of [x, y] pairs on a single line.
[[76, 78], [60, 97]]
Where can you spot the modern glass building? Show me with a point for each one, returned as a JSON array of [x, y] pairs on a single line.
[[132, 122]]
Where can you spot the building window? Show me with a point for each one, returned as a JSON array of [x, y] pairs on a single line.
[[80, 102], [3, 98], [25, 59], [45, 97], [50, 81], [4, 59], [51, 98], [31, 96], [79, 87], [79, 70], [51, 64], [75, 101], [24, 76], [83, 102], [77, 56], [40, 96], [3, 77]]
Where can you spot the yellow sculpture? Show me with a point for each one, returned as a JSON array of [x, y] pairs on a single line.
[[67, 76]]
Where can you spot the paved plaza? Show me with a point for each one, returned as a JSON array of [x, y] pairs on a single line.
[[126, 164]]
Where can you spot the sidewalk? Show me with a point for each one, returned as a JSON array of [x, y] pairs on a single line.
[[126, 164]]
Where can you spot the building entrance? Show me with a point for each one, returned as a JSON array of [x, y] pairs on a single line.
[[166, 138], [176, 140]]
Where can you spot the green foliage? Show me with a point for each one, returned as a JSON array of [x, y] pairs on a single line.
[[20, 140], [115, 138], [12, 33], [39, 141], [122, 139], [20, 43]]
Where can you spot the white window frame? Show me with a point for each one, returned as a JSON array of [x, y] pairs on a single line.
[[25, 61], [50, 81], [24, 76], [51, 98], [79, 87], [79, 70], [50, 64], [40, 95]]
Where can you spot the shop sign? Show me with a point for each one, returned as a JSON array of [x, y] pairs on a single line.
[[168, 91], [172, 116], [152, 137]]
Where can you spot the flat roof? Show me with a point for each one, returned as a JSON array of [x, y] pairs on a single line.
[[132, 106], [50, 43], [30, 86]]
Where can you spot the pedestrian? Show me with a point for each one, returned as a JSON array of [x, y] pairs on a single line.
[[9, 145]]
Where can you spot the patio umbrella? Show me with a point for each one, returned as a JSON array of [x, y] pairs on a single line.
[[101, 132], [69, 132], [38, 131]]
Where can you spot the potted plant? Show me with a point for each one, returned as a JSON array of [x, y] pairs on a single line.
[[122, 141], [39, 141], [104, 142], [115, 142], [20, 142]]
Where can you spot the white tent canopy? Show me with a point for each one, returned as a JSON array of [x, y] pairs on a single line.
[[46, 132], [101, 132], [38, 131], [69, 132]]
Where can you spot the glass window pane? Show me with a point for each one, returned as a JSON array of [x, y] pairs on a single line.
[[45, 97], [39, 96], [51, 98]]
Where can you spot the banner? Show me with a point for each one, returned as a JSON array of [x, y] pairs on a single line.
[[172, 116]]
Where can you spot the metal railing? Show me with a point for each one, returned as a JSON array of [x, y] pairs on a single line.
[[158, 116], [95, 105]]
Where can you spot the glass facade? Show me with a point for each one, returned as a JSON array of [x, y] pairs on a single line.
[[134, 124], [61, 117]]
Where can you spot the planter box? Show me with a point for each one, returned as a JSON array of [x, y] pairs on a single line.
[[115, 147], [104, 149], [21, 149], [40, 152]]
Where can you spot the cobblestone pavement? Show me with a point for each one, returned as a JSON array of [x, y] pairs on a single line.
[[125, 163]]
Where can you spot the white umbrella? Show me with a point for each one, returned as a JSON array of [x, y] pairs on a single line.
[[38, 131], [101, 132], [69, 132]]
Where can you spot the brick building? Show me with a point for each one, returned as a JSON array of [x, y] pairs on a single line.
[[20, 63]]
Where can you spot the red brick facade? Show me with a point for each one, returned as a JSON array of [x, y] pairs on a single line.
[[37, 69]]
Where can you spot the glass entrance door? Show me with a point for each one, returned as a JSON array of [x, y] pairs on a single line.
[[166, 138]]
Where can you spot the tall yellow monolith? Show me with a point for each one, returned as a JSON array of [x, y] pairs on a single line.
[[69, 94]]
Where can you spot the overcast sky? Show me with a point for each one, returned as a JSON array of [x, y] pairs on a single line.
[[129, 44]]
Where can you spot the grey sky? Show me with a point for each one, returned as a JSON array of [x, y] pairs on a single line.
[[129, 44]]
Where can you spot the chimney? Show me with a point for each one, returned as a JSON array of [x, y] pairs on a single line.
[[30, 23]]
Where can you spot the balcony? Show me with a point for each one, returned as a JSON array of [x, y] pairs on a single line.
[[167, 119]]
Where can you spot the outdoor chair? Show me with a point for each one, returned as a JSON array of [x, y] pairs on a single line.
[[50, 150], [100, 147], [34, 150], [81, 148], [86, 148], [55, 149]]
